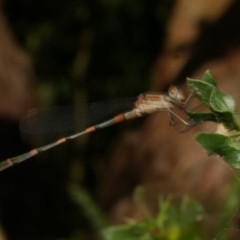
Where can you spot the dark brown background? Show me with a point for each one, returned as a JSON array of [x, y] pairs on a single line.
[[60, 53]]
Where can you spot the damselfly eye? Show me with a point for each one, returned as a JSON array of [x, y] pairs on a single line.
[[173, 92]]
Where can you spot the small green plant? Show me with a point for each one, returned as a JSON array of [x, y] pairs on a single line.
[[223, 110], [172, 222], [175, 220]]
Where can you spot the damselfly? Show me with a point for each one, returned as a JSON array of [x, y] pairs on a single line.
[[46, 120]]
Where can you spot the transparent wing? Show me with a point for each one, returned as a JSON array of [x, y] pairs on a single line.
[[69, 118]]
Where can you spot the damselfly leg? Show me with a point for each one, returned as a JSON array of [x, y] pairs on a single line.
[[181, 104]]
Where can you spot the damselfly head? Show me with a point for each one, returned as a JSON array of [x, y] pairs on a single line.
[[176, 94]]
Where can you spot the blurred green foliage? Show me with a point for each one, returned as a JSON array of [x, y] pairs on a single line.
[[173, 223], [176, 220]]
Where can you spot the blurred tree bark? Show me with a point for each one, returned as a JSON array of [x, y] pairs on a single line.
[[16, 97], [16, 86], [15, 74]]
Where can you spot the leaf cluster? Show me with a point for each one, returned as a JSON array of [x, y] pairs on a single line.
[[222, 110], [172, 222]]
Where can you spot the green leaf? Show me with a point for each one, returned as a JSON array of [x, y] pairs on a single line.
[[82, 198], [162, 217], [228, 119], [225, 146], [211, 97], [202, 117], [207, 78], [222, 102], [136, 231], [222, 105], [203, 91]]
